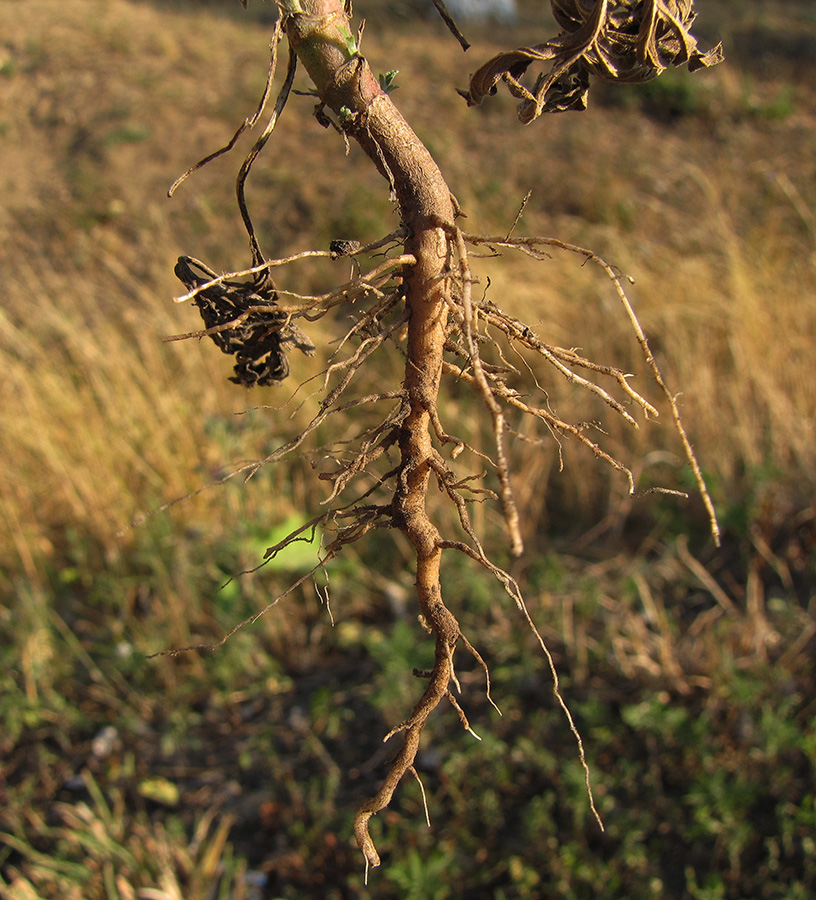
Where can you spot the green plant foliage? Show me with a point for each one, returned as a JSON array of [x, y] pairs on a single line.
[[387, 80]]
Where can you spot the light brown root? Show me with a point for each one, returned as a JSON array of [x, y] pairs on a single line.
[[414, 772], [512, 588], [436, 690], [508, 501], [562, 359], [249, 122], [411, 420], [462, 717], [420, 300], [477, 656]]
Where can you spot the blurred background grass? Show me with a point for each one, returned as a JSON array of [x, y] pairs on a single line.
[[235, 774]]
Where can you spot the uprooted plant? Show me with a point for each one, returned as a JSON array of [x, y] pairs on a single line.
[[418, 300]]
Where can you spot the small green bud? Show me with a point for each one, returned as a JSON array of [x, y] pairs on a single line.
[[348, 40], [387, 80]]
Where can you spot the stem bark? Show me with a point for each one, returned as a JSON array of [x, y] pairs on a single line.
[[320, 33]]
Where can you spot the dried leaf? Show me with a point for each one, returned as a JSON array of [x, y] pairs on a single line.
[[244, 321], [623, 41]]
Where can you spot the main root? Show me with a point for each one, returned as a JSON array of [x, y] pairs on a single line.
[[416, 300], [475, 330]]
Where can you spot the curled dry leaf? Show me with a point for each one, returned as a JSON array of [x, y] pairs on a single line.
[[242, 319], [623, 41]]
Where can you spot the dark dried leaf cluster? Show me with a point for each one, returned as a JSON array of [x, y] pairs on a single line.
[[242, 319], [614, 40]]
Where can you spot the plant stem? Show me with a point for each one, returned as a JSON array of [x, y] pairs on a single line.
[[319, 35]]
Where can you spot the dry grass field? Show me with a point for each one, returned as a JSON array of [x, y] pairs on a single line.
[[235, 774]]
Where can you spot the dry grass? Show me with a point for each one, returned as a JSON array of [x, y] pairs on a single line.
[[713, 217]]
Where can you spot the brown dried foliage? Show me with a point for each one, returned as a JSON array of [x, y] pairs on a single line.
[[625, 41]]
